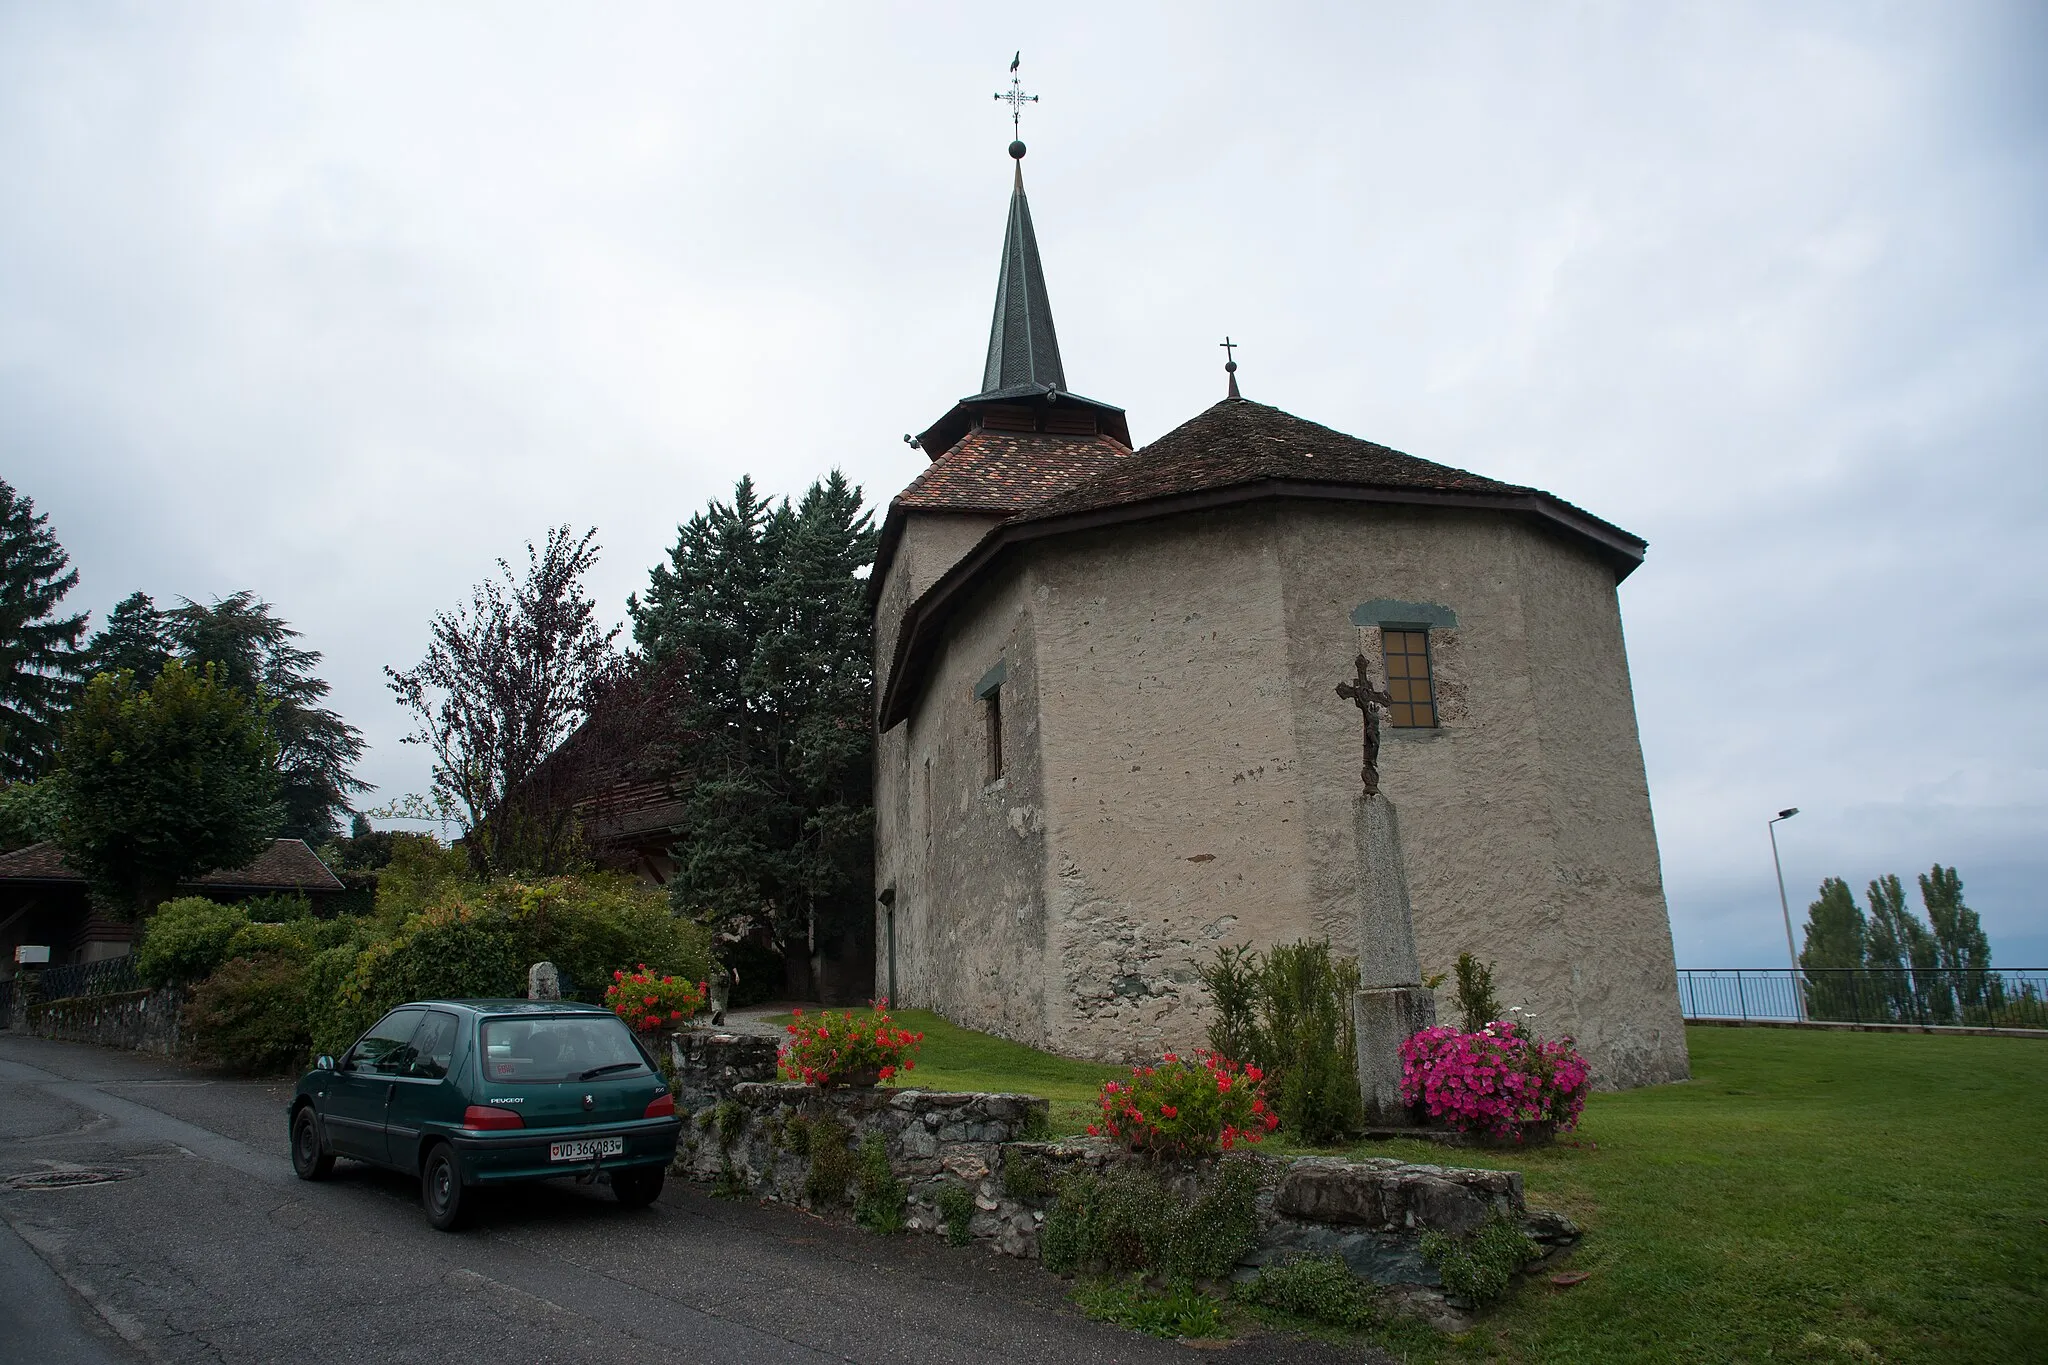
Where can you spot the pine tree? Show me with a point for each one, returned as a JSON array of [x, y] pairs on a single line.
[[40, 667], [252, 651], [768, 604], [135, 638], [1961, 948], [1835, 934]]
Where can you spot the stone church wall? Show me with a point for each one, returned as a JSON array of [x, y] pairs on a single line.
[[1184, 774], [967, 855], [1525, 816]]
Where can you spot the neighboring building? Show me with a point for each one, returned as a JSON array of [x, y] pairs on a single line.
[[43, 901], [1111, 742]]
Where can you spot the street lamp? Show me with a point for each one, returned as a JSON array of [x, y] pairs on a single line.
[[1785, 906]]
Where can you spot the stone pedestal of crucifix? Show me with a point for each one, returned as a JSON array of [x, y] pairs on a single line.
[[1392, 1004]]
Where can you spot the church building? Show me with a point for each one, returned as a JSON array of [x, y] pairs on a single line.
[[1110, 739]]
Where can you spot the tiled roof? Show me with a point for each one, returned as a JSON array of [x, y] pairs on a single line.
[[1239, 441], [287, 865], [1003, 471]]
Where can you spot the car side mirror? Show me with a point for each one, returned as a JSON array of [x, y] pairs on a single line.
[[323, 1063]]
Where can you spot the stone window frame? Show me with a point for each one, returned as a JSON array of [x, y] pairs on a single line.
[[1424, 618], [989, 692]]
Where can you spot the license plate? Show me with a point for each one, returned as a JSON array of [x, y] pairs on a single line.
[[585, 1149]]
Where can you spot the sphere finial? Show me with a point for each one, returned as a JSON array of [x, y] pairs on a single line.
[[1017, 150]]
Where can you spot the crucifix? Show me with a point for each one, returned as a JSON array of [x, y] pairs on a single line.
[[1017, 98], [1366, 698]]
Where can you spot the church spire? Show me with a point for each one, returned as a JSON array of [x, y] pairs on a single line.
[[1023, 351]]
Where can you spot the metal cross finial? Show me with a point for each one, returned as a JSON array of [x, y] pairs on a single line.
[[1230, 363], [1016, 96]]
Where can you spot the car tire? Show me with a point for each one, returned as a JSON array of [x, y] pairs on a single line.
[[638, 1187], [441, 1188], [310, 1158]]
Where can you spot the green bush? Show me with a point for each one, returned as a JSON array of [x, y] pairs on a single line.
[[956, 1207], [186, 940], [1024, 1177], [1128, 1221], [592, 926], [1320, 1288], [879, 1198], [250, 1015], [282, 908], [832, 1164], [1288, 1012], [1479, 1265], [252, 939]]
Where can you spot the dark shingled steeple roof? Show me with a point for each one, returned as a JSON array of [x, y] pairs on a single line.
[[1023, 351]]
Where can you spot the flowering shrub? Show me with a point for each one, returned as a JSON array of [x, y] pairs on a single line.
[[1500, 1081], [646, 1001], [1186, 1108], [830, 1049]]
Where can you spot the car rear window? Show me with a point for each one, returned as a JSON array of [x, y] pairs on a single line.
[[559, 1048]]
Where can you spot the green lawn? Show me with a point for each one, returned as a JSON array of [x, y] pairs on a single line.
[[1806, 1197]]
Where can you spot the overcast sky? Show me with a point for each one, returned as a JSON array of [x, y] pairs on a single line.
[[339, 303]]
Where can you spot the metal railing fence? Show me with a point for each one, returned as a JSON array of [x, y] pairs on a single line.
[[109, 976], [2004, 997]]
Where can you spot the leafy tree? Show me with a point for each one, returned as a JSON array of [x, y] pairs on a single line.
[[1898, 948], [316, 748], [135, 637], [1961, 949], [29, 812], [1835, 934], [767, 604], [39, 654], [507, 679], [164, 783]]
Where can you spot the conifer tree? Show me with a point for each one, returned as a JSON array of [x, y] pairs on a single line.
[[40, 667], [135, 638], [768, 603], [1835, 934], [253, 652]]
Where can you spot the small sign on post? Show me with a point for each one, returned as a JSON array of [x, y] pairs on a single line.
[[32, 954]]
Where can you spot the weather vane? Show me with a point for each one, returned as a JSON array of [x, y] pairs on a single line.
[[1016, 96]]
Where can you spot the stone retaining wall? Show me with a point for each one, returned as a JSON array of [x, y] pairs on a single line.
[[141, 1021], [1371, 1212]]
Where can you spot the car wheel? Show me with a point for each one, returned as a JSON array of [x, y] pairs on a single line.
[[638, 1187], [441, 1189], [310, 1159]]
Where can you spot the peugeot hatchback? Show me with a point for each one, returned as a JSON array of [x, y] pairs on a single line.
[[466, 1093]]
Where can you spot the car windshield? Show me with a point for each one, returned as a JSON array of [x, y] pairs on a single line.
[[559, 1048]]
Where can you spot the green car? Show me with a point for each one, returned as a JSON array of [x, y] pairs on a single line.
[[466, 1093]]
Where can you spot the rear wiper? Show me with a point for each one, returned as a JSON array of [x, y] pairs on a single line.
[[600, 1070]]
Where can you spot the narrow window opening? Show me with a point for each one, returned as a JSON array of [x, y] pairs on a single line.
[[1410, 685], [992, 722]]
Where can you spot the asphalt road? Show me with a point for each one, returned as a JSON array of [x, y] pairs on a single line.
[[207, 1248]]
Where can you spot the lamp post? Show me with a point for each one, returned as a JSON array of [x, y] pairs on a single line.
[[1785, 907]]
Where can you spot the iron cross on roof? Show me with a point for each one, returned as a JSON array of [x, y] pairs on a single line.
[[1016, 96]]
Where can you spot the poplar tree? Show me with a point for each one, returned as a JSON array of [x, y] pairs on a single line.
[[1961, 948], [766, 602], [1835, 934], [1900, 951], [40, 663]]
